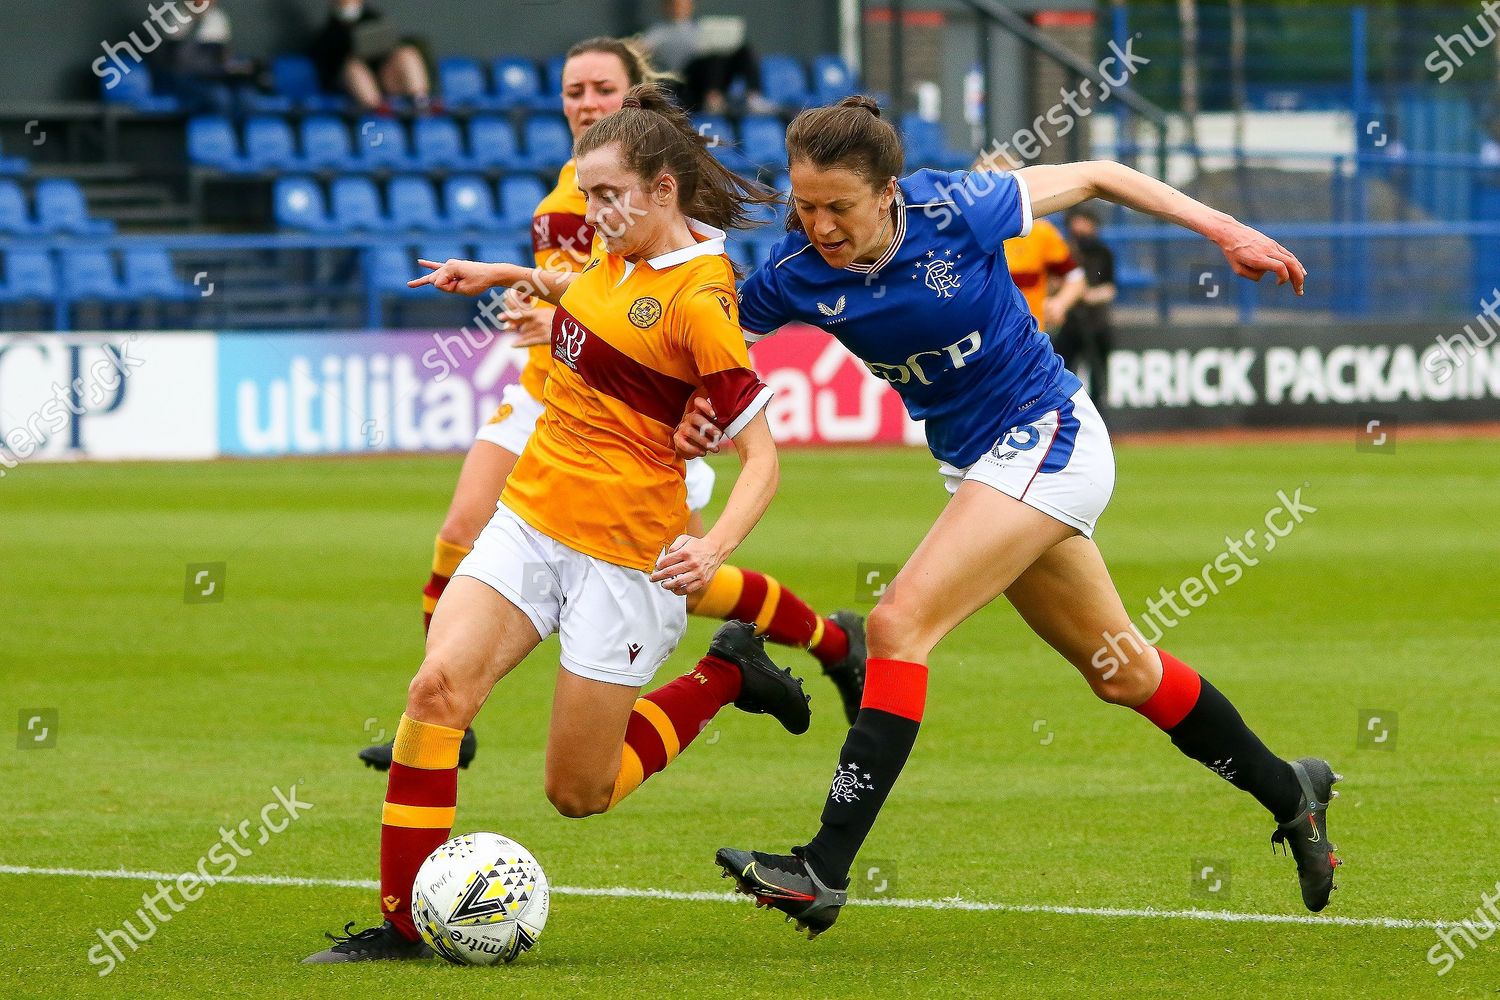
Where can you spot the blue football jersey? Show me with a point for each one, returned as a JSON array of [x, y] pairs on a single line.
[[938, 315]]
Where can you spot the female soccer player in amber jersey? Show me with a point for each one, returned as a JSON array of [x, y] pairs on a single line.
[[932, 309], [589, 538], [596, 75]]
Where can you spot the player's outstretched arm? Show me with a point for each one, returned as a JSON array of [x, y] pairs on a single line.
[[471, 277], [1252, 254], [691, 562]]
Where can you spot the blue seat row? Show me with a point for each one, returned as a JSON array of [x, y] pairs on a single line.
[[326, 142], [503, 83], [93, 275], [410, 204], [60, 207], [388, 268]]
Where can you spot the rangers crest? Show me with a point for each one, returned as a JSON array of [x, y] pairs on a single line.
[[847, 783], [939, 273]]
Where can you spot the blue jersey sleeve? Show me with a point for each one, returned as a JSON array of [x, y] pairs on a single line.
[[762, 306], [994, 204]]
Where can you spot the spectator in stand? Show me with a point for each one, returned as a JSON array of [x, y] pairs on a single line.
[[1087, 335], [361, 52], [707, 56], [197, 64]]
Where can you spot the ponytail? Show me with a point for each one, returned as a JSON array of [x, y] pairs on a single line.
[[656, 136]]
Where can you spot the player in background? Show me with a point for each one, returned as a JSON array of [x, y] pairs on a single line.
[[1041, 263], [932, 310], [595, 507], [595, 78]]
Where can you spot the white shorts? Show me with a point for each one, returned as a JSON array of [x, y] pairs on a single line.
[[700, 483], [1060, 463], [512, 424], [616, 625]]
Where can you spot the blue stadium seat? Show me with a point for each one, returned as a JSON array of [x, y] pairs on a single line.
[[14, 216], [325, 144], [299, 204], [413, 206], [251, 100], [29, 275], [927, 147], [470, 203], [553, 81], [381, 143], [389, 268], [61, 208], [269, 144], [517, 84], [783, 82], [741, 250], [438, 143], [133, 87], [14, 164], [492, 143], [149, 274], [293, 75], [441, 250], [832, 79], [715, 127], [461, 83], [519, 197], [763, 141], [90, 274], [356, 205], [211, 142], [508, 251], [549, 143]]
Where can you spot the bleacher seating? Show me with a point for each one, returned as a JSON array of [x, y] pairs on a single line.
[[89, 275], [299, 204], [29, 276], [438, 144], [832, 79], [326, 145], [784, 82], [356, 205], [927, 147], [492, 143], [134, 88], [549, 143], [413, 205], [469, 203], [519, 197], [462, 84], [270, 145], [294, 76], [516, 83], [148, 274]]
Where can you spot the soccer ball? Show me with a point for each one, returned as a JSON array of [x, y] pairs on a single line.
[[480, 899]]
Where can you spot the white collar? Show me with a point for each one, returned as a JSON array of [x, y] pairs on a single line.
[[712, 245], [897, 238]]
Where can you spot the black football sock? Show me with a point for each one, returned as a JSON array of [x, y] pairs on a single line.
[[869, 764], [1205, 726]]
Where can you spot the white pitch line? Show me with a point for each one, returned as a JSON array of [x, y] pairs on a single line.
[[954, 903]]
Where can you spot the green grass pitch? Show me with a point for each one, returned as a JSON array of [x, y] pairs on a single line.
[[174, 719]]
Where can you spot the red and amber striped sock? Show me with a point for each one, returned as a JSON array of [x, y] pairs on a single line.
[[445, 559], [665, 721], [874, 753], [744, 595], [420, 800]]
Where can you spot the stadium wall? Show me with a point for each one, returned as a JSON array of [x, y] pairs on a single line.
[[207, 395]]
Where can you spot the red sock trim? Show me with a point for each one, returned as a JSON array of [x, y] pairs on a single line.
[[435, 586], [834, 645], [1176, 696], [642, 737], [415, 786], [752, 596], [896, 686], [792, 621]]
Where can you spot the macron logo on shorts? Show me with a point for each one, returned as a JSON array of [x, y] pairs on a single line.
[[635, 650]]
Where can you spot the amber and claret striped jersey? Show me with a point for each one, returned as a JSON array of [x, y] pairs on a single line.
[[631, 343], [561, 241], [1033, 258]]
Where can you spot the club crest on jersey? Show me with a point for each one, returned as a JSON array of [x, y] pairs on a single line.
[[836, 308], [939, 274], [645, 312], [567, 342]]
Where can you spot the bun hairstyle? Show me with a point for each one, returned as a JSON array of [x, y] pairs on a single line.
[[656, 136], [637, 63], [850, 135]]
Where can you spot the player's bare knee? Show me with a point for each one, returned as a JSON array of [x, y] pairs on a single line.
[[1129, 684], [894, 631], [576, 801], [433, 697]]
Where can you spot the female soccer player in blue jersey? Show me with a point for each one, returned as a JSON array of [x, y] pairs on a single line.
[[910, 275]]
